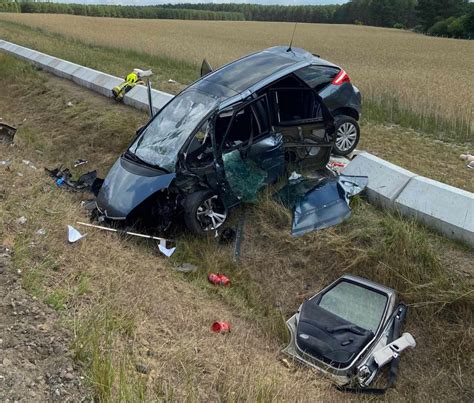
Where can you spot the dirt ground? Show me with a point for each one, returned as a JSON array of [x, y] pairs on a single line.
[[36, 363], [117, 304]]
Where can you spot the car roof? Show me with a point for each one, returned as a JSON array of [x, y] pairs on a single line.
[[245, 74]]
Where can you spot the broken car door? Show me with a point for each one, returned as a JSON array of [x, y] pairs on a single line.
[[305, 123], [251, 154]]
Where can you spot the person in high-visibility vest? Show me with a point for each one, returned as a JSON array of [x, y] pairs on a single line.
[[131, 80]]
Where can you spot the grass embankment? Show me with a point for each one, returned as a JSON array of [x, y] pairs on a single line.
[[126, 306], [409, 79]]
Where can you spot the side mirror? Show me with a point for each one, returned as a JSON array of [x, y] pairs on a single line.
[[205, 68]]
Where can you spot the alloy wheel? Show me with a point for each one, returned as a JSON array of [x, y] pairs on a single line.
[[211, 214], [346, 136]]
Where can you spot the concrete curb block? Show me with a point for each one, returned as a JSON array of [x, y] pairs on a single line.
[[386, 180], [95, 80], [444, 208]]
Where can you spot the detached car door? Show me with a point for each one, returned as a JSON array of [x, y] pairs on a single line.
[[305, 123]]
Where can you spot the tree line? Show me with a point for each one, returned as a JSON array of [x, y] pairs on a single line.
[[453, 18], [93, 10]]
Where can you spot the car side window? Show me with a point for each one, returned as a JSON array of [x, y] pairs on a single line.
[[237, 129], [317, 77], [295, 106]]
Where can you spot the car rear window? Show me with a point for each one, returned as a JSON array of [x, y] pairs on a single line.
[[359, 305], [317, 77]]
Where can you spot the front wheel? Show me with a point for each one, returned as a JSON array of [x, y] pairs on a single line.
[[347, 135], [204, 211]]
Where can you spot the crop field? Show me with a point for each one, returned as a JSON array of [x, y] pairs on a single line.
[[420, 81]]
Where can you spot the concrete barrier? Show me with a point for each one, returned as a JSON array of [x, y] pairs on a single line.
[[86, 77], [446, 209], [386, 180]]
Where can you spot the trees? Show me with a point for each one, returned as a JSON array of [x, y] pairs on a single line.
[[429, 12]]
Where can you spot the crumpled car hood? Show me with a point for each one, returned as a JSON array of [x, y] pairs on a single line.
[[127, 185]]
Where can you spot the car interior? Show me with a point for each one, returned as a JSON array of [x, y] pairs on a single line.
[[337, 325], [288, 105]]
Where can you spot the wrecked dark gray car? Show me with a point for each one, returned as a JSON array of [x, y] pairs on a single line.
[[220, 140]]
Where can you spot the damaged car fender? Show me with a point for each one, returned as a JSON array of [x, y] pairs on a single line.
[[127, 185]]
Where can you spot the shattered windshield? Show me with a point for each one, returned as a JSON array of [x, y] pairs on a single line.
[[160, 142]]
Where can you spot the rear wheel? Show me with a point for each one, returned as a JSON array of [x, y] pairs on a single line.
[[347, 135], [204, 211]]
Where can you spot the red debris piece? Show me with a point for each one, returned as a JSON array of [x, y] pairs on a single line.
[[220, 327], [218, 279]]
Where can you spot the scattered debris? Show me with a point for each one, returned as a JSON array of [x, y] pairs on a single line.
[[73, 235], [142, 368], [19, 174], [86, 182], [218, 279], [285, 362], [227, 236], [5, 163], [7, 133], [469, 159], [166, 251], [89, 205], [22, 220], [80, 162], [41, 232], [162, 245], [29, 163], [186, 268], [337, 164], [353, 185], [294, 176], [69, 104], [220, 327], [239, 235], [171, 81]]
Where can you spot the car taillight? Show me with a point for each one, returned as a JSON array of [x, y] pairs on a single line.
[[341, 78]]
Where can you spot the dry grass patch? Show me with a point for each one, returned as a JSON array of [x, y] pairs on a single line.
[[405, 77]]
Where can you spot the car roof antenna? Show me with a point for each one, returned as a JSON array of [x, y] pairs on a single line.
[[292, 37]]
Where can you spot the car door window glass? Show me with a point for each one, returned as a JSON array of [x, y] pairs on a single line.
[[317, 77], [356, 304]]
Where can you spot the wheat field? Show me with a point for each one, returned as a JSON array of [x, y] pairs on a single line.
[[430, 78]]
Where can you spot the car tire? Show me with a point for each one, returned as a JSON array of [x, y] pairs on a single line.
[[204, 212], [347, 135]]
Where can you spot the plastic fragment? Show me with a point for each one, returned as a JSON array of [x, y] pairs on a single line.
[[166, 251], [22, 220], [73, 235]]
